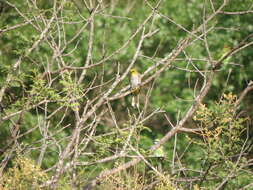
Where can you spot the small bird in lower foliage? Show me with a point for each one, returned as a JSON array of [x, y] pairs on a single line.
[[135, 81]]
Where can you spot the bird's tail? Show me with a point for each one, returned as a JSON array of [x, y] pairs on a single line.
[[136, 101]]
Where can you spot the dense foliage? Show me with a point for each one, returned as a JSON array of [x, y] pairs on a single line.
[[66, 120]]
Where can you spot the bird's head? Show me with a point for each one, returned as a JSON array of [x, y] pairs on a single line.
[[134, 71]]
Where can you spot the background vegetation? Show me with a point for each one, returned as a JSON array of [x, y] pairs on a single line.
[[66, 121]]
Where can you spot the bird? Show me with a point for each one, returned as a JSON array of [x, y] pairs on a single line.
[[159, 153], [135, 81]]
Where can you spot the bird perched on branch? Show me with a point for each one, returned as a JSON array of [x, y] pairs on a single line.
[[135, 86]]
